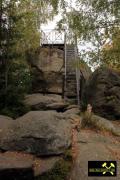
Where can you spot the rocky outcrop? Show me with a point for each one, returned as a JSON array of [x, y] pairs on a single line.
[[72, 111], [22, 166], [16, 166], [45, 102], [47, 70], [4, 118], [5, 121], [99, 123], [38, 132], [102, 91]]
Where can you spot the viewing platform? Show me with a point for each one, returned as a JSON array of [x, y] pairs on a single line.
[[63, 40]]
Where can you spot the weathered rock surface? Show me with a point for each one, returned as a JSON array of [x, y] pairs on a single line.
[[44, 165], [4, 118], [5, 121], [57, 106], [21, 166], [102, 91], [45, 102], [97, 122], [37, 132], [72, 111], [71, 107], [16, 166], [47, 70], [93, 146]]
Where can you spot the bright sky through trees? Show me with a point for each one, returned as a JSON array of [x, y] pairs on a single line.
[[94, 22]]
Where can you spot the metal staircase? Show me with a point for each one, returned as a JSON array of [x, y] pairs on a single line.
[[70, 78], [71, 73]]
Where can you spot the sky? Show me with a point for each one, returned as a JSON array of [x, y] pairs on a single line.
[[52, 24]]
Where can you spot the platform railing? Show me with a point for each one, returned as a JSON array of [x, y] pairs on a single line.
[[56, 37], [52, 37]]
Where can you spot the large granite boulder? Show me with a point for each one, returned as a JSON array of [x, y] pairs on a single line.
[[102, 91], [4, 118], [37, 132], [47, 70], [39, 101], [5, 121]]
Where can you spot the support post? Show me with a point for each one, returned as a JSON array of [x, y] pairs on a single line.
[[65, 66], [77, 73]]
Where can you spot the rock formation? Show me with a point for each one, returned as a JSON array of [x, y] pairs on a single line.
[[47, 70], [102, 91], [22, 166], [37, 132], [39, 101]]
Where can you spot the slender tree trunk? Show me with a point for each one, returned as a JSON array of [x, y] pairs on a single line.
[[7, 54], [0, 26]]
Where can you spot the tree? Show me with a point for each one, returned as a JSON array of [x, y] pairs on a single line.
[[19, 32], [110, 53], [92, 21]]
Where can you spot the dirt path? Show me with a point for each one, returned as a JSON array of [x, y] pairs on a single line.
[[95, 146]]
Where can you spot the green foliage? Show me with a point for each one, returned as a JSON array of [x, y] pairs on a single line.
[[19, 33], [19, 83], [60, 172], [11, 102], [86, 119], [68, 155], [93, 21], [110, 54], [19, 76], [111, 98]]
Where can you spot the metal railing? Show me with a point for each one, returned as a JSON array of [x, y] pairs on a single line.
[[56, 37], [52, 37]]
